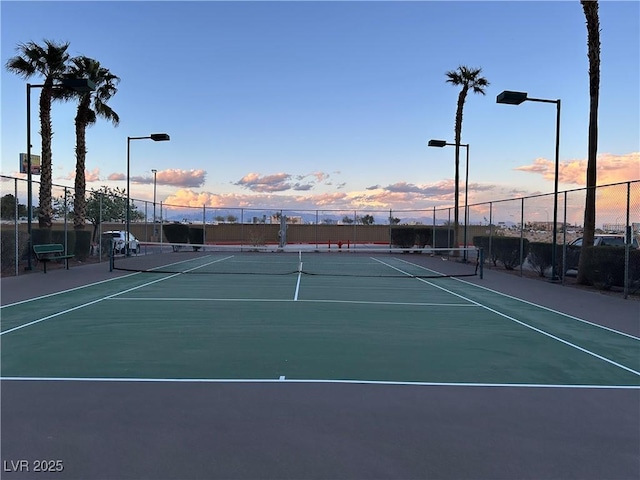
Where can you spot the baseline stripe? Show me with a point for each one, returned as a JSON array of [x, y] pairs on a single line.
[[320, 381]]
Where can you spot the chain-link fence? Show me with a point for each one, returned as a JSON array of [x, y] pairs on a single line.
[[530, 220]]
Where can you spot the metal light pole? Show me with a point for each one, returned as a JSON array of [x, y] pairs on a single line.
[[155, 233], [80, 85], [156, 137], [442, 143], [516, 98]]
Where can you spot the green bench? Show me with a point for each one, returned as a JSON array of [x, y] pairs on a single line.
[[51, 251]]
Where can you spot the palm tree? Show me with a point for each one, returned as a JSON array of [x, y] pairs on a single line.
[[590, 8], [470, 79], [91, 105], [50, 62]]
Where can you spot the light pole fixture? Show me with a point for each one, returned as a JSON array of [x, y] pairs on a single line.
[[156, 137], [442, 143], [516, 98], [80, 85], [154, 203]]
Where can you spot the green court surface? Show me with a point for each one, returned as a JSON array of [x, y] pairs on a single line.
[[293, 326]]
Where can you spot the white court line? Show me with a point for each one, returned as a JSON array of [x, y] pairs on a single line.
[[508, 317], [295, 296], [281, 379], [553, 311], [19, 327], [286, 300], [85, 286], [572, 317], [68, 290]]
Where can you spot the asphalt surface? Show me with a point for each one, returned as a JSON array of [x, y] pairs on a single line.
[[139, 430]]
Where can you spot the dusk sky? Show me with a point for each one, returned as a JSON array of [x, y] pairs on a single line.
[[331, 104]]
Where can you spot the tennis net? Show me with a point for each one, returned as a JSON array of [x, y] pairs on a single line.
[[366, 261]]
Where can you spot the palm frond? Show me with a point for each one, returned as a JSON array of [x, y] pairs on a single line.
[[105, 81], [49, 60], [20, 67]]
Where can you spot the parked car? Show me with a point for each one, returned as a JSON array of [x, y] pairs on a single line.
[[607, 240], [119, 245], [599, 240]]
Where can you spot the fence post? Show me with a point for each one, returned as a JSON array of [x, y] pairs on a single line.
[[100, 228], [629, 238], [449, 229], [564, 240], [521, 233], [161, 226], [66, 239], [390, 224], [16, 225], [204, 226], [490, 227], [433, 229], [146, 222], [355, 226]]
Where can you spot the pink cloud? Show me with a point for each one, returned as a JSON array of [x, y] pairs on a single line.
[[268, 183], [89, 175], [117, 177], [93, 175], [280, 182], [610, 169], [174, 177]]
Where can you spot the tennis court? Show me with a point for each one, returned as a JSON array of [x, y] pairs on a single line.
[[317, 365]]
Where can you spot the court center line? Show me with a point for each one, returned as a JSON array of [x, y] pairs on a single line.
[[283, 380], [504, 315], [77, 307], [295, 296]]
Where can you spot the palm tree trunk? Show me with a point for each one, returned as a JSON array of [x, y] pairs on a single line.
[[80, 202], [458, 134], [593, 35], [45, 209]]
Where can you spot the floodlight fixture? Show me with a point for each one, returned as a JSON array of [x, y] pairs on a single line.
[[511, 98]]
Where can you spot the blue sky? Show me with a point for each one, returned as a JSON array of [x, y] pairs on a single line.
[[331, 104]]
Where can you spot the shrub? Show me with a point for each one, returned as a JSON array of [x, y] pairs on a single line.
[[507, 250], [176, 233], [41, 236], [484, 242], [403, 237], [196, 237], [539, 256], [82, 247], [604, 267], [58, 236], [408, 236], [8, 249]]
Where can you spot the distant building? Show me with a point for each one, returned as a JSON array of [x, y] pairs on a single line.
[[290, 220]]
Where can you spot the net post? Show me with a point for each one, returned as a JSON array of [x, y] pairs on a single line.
[[111, 256], [481, 260]]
